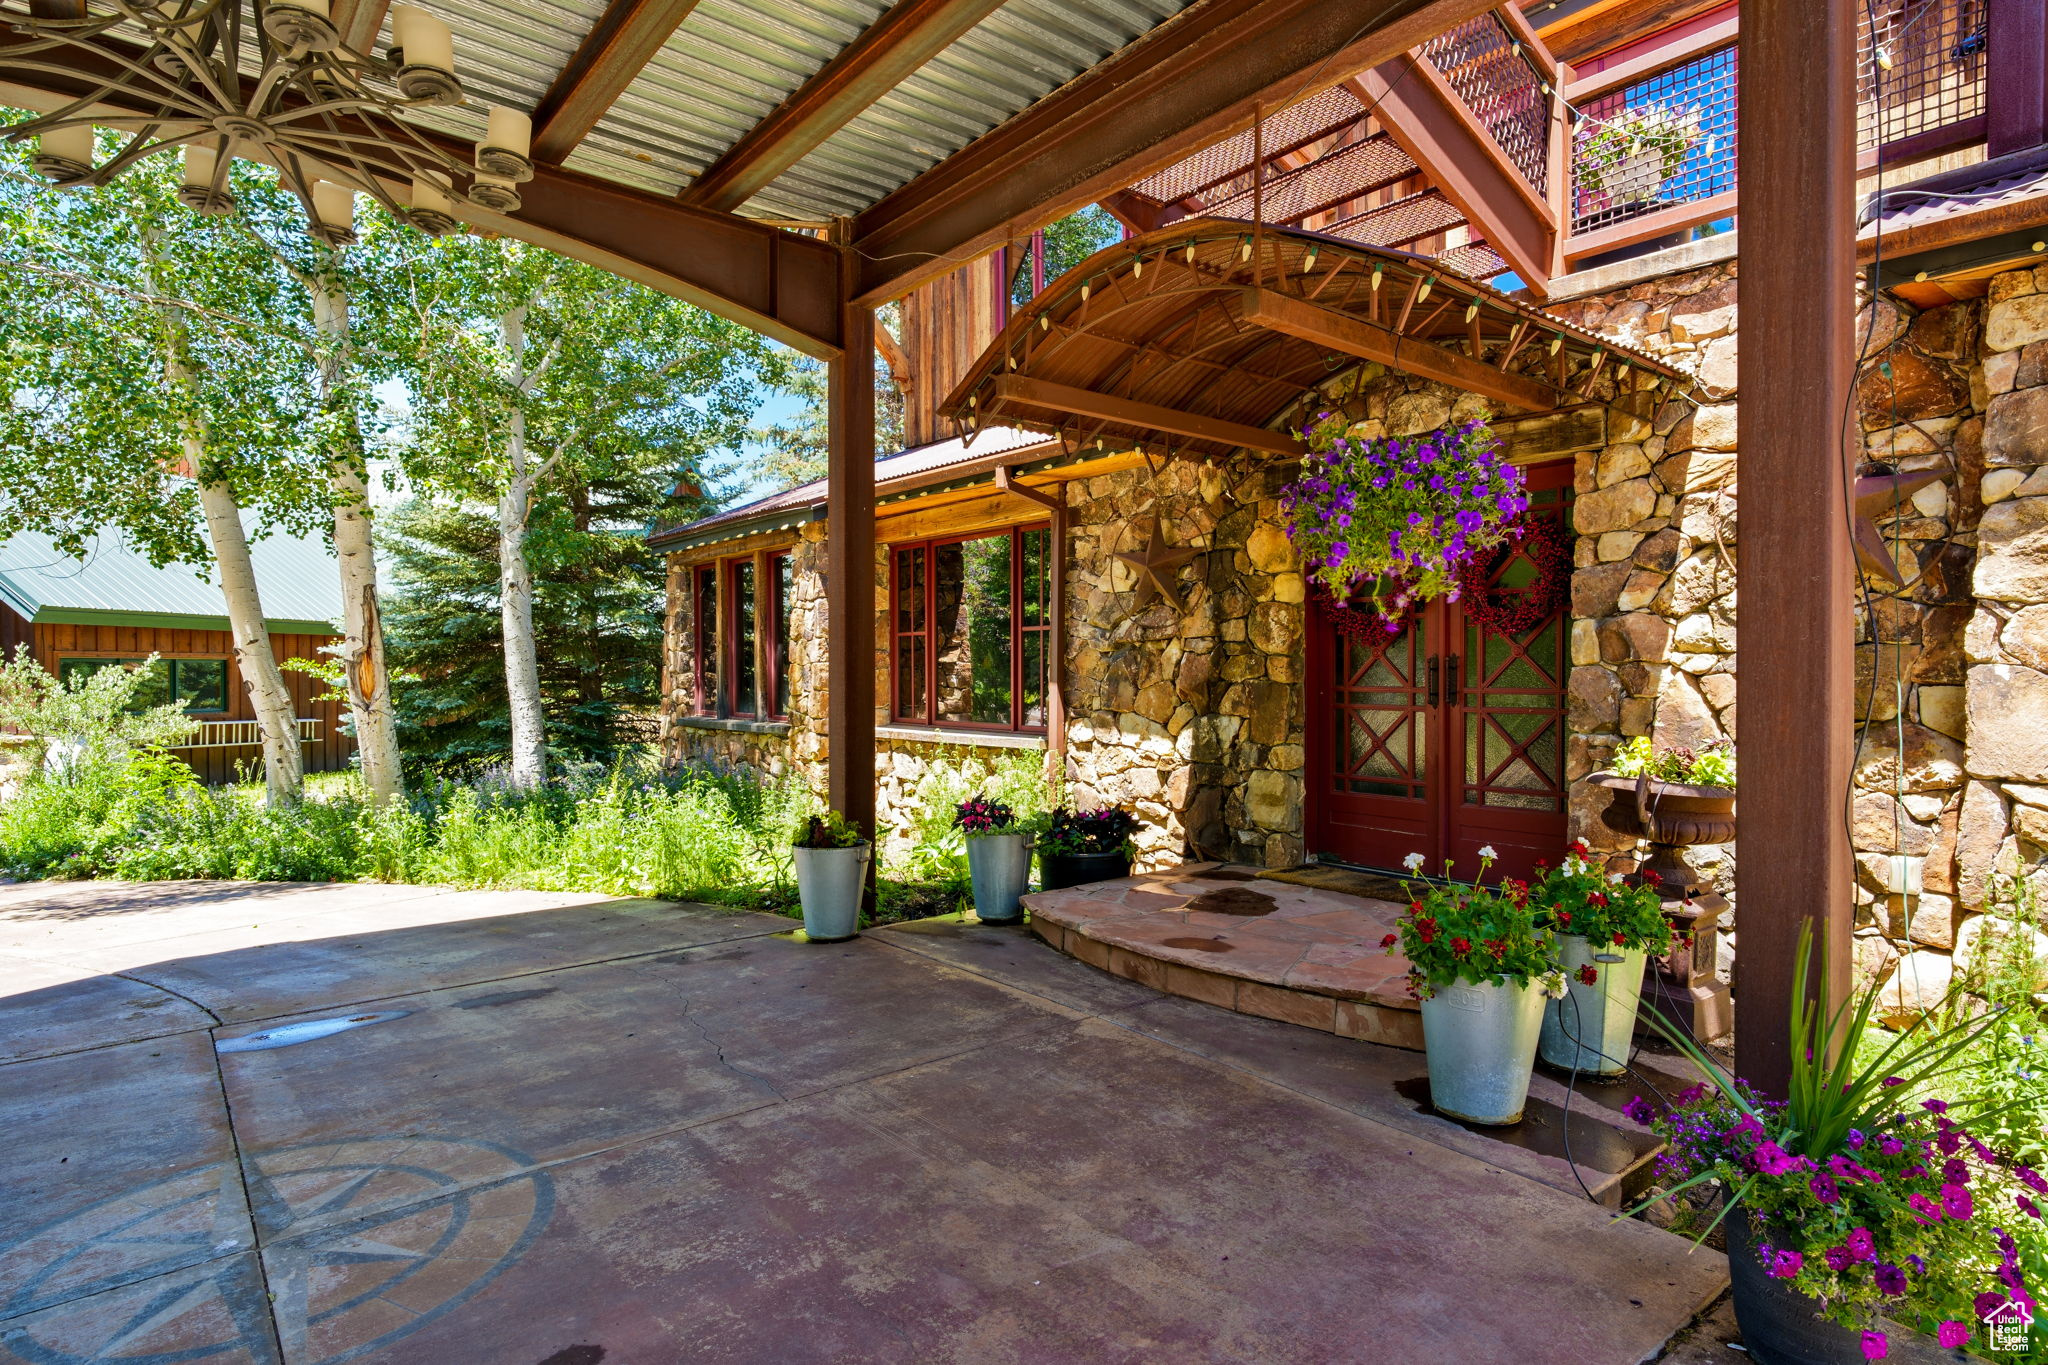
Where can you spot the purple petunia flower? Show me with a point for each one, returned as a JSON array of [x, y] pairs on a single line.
[[1890, 1280], [1785, 1264], [1935, 1106], [1952, 1334], [1956, 1171], [1955, 1199], [1840, 1259], [1861, 1245], [1890, 1146], [1919, 1266], [1876, 1346], [1637, 1110], [1823, 1187], [2027, 1206], [1925, 1210]]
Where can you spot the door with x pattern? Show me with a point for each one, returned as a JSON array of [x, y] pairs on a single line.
[[1446, 736]]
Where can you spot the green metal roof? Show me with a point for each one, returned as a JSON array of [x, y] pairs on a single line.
[[115, 585]]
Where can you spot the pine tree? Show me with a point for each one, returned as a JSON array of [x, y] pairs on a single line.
[[598, 594]]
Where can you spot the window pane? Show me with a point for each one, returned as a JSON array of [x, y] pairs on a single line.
[[911, 678], [745, 692], [971, 630], [202, 684], [785, 580], [1034, 677], [707, 641], [156, 683], [1036, 575]]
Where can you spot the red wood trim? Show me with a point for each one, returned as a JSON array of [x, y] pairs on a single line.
[[1519, 28], [2016, 76], [1946, 138], [1709, 39], [1658, 224]]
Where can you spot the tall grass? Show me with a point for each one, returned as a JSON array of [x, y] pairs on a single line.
[[697, 834]]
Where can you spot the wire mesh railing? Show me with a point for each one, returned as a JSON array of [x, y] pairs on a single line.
[[1664, 140], [1491, 75], [1920, 68]]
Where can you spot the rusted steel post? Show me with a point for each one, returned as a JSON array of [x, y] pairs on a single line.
[[1797, 184], [850, 562]]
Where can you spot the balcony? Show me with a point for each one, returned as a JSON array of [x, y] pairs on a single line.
[[240, 734]]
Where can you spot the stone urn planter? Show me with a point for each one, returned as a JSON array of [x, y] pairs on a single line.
[[1670, 813], [1781, 1327], [1591, 1028], [1480, 1041], [999, 866], [831, 883]]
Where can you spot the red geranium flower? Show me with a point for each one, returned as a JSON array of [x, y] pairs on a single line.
[[1389, 941], [1589, 974], [1461, 946]]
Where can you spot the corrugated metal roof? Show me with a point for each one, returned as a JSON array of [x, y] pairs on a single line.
[[296, 576], [1009, 61], [903, 464]]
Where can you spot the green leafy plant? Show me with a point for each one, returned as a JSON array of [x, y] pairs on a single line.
[[1076, 834], [101, 712], [828, 830], [979, 815], [1714, 767], [1485, 935], [1578, 897], [1872, 1205], [1654, 137], [1399, 516]]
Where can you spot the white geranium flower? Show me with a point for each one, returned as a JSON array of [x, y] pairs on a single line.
[[1488, 853], [1618, 878], [1413, 862], [1553, 984]]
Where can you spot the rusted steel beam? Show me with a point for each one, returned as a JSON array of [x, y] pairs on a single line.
[[622, 42], [1413, 355], [850, 566], [1189, 83], [781, 284], [1038, 393], [1796, 374], [907, 36], [1429, 121]]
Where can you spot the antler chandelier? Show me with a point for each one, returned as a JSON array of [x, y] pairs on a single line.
[[324, 114]]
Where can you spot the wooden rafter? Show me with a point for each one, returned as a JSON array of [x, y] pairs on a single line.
[[909, 34], [622, 41], [358, 21], [1368, 341], [1064, 398]]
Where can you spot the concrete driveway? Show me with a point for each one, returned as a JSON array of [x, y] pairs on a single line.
[[274, 1123]]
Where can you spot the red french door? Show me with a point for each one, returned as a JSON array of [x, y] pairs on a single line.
[[1446, 737]]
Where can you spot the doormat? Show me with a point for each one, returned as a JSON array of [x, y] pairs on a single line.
[[1347, 881]]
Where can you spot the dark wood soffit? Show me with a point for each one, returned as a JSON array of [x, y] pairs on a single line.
[[1191, 82], [1955, 229], [1603, 28], [622, 41], [1368, 341], [1013, 389], [909, 34], [779, 283]]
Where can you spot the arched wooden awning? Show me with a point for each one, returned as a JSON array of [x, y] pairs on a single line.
[[1211, 336]]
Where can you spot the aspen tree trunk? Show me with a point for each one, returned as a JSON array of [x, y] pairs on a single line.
[[361, 651], [515, 577], [284, 767]]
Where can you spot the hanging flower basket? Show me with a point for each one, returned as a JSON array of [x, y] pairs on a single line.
[[1398, 519], [1504, 611]]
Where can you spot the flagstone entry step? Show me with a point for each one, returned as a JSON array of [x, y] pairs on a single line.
[[1222, 935]]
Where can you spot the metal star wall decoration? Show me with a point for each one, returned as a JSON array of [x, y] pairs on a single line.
[[1158, 565], [1879, 495]]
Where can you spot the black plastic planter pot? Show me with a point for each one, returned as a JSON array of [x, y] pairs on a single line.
[[1056, 870], [1780, 1327]]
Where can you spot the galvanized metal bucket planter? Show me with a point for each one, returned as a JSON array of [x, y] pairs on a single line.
[[1000, 867], [831, 882], [1481, 1044], [1591, 1028]]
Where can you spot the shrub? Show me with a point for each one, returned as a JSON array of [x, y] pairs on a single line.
[[105, 712]]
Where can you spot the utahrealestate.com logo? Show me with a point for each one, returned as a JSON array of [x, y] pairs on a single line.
[[2009, 1326]]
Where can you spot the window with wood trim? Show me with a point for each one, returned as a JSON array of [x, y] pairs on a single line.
[[704, 637], [781, 589], [200, 685], [742, 632], [970, 630]]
